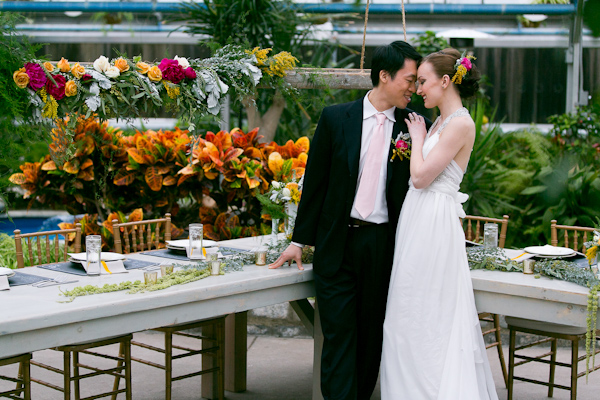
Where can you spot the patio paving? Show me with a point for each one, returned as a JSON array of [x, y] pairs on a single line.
[[281, 368]]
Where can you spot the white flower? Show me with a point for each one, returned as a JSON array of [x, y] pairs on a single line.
[[183, 62], [286, 193], [112, 72], [101, 64], [275, 185]]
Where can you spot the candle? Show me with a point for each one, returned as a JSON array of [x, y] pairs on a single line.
[[528, 266], [215, 267], [261, 257], [150, 277], [166, 270]]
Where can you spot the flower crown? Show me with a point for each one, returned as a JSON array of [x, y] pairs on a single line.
[[462, 66]]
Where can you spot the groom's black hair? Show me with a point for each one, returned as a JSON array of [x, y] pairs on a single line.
[[391, 58]]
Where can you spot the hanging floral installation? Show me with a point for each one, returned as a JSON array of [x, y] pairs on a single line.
[[131, 88]]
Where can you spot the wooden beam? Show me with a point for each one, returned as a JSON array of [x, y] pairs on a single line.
[[333, 78]]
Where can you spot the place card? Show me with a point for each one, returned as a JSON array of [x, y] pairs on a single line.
[[4, 283]]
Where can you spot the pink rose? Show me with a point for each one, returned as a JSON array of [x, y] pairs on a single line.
[[466, 63], [171, 70], [402, 145], [56, 90], [37, 76], [86, 77], [190, 73]]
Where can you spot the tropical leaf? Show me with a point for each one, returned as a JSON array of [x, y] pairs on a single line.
[[153, 178], [124, 178]]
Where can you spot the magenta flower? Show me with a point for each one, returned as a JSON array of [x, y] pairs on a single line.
[[190, 73], [86, 77], [56, 90], [37, 76], [171, 70], [402, 145], [466, 63]]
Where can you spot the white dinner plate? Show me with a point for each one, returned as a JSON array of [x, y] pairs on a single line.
[[551, 251], [7, 271], [567, 256], [104, 256], [182, 244]]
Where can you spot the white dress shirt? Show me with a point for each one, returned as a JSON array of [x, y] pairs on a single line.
[[380, 212]]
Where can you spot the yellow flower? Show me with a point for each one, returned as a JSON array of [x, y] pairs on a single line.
[[21, 78], [461, 71], [49, 67], [292, 186], [70, 89], [122, 64], [50, 105], [63, 65], [296, 194], [590, 254], [261, 55], [142, 67], [172, 90], [78, 71], [155, 74], [283, 62]]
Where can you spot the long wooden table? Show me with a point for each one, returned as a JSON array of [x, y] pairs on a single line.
[[34, 319]]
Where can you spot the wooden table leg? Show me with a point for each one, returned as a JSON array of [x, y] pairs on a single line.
[[236, 349]]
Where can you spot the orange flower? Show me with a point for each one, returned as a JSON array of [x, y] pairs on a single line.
[[78, 71], [155, 74], [121, 63], [70, 89], [142, 67], [21, 78], [63, 65], [49, 67], [275, 162]]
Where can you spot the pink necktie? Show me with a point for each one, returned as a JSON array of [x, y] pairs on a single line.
[[369, 180]]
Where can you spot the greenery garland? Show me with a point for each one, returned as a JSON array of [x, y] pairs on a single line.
[[554, 268]]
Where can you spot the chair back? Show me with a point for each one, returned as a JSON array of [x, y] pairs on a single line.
[[474, 233], [141, 235], [47, 246], [570, 236]]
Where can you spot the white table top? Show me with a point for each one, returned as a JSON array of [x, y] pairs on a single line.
[[34, 319]]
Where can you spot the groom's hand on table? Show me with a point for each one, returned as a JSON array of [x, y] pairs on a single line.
[[292, 253]]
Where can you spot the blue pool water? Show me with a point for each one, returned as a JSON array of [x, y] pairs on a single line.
[[32, 224]]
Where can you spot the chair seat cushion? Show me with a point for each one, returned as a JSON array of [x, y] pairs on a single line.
[[545, 326]]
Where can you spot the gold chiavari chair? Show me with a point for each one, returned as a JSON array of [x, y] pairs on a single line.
[[212, 336], [141, 235], [23, 379], [550, 333], [474, 233], [48, 240], [570, 236]]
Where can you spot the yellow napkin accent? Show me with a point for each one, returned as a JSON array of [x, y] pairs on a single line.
[[520, 255], [204, 252], [105, 267]]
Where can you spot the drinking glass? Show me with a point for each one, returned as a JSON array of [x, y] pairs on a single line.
[[490, 235], [215, 267], [194, 250], [93, 245]]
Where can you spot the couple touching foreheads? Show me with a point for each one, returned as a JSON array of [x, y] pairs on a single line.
[[382, 217]]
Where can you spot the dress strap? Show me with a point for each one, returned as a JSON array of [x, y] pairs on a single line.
[[461, 112]]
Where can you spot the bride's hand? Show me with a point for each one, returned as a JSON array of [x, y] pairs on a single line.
[[416, 128]]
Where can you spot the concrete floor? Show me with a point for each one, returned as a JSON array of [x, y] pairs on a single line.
[[280, 368]]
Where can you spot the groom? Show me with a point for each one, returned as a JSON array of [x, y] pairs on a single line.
[[349, 211]]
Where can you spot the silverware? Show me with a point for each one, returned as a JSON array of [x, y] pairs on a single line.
[[58, 280]]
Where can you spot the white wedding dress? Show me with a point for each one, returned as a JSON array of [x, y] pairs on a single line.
[[433, 348]]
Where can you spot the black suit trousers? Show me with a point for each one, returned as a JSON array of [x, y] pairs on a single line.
[[352, 309]]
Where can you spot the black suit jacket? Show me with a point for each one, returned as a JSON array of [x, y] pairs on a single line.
[[330, 183]]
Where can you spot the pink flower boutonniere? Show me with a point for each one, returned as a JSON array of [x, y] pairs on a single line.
[[402, 146]]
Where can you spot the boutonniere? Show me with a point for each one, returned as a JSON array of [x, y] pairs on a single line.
[[402, 145]]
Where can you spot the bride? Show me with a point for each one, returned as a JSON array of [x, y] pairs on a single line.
[[433, 347]]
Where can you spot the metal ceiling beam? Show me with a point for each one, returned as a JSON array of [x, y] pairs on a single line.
[[327, 8]]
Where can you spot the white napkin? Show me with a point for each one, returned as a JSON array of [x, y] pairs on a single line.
[[109, 267], [4, 283], [518, 255]]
